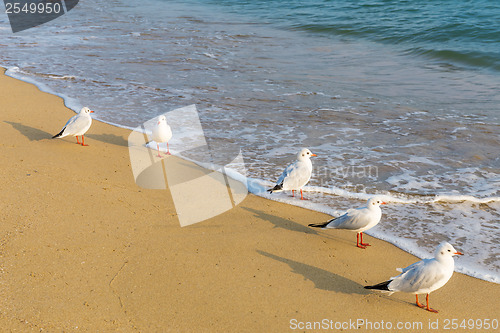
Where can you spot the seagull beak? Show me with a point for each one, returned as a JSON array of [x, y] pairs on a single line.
[[91, 111], [314, 155], [384, 203], [459, 253]]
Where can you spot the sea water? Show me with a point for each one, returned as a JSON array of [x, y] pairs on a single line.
[[397, 98]]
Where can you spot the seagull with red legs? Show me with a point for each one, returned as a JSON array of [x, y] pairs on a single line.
[[162, 133], [296, 175], [358, 220], [423, 277], [77, 125]]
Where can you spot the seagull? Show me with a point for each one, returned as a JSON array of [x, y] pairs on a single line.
[[358, 220], [424, 276], [162, 133], [77, 125], [296, 175]]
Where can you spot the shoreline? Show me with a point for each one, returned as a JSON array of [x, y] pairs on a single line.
[[475, 272], [83, 246]]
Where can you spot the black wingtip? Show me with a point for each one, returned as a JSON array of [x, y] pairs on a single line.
[[319, 225], [278, 187], [380, 286], [59, 134]]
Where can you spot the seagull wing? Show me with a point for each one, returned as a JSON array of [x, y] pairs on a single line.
[[354, 219], [421, 275], [295, 175], [77, 125], [288, 172]]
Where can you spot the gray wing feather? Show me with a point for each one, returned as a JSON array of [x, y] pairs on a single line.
[[417, 276], [352, 220], [76, 125], [287, 172], [298, 175]]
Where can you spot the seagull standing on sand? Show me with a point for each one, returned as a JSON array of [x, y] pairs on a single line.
[[358, 220], [424, 276], [296, 175], [162, 133], [77, 125]]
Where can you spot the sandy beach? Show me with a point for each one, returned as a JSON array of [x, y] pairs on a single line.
[[83, 248]]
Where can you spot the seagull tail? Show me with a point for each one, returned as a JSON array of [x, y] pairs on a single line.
[[320, 225], [277, 188], [380, 286], [59, 134]]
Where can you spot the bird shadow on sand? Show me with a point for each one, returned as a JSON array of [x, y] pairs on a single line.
[[32, 133], [280, 222], [109, 138], [322, 279]]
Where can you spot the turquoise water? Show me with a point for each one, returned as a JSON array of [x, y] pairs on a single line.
[[458, 32], [398, 98]]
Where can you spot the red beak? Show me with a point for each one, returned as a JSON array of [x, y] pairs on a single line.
[[314, 155], [91, 111], [384, 203], [459, 253]]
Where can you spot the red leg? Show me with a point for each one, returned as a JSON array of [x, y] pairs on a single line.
[[293, 193], [168, 150], [364, 244], [158, 146], [83, 144], [418, 303], [361, 246], [77, 141], [428, 308]]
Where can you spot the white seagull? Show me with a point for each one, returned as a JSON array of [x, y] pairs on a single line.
[[162, 133], [296, 175], [358, 220], [77, 125], [424, 276]]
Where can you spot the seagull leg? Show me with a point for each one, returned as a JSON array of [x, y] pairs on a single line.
[[168, 150], [364, 244], [77, 141], [418, 303], [301, 196], [158, 146], [361, 246], [293, 193], [428, 308], [83, 143]]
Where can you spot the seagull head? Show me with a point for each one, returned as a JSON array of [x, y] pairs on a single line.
[[445, 249], [86, 110], [162, 119], [304, 154], [375, 202]]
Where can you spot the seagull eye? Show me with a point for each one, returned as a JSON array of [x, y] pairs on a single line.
[[449, 250]]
